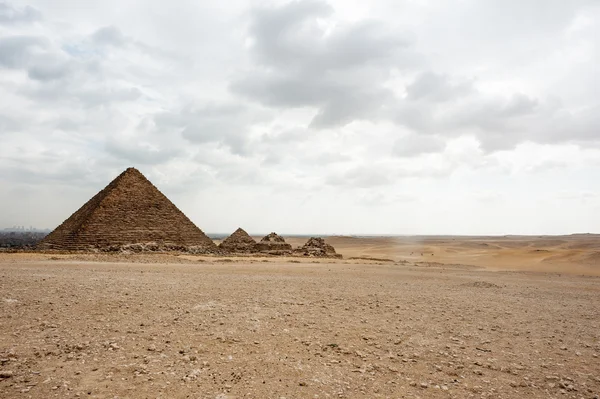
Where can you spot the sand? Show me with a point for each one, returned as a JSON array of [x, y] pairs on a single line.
[[482, 317]]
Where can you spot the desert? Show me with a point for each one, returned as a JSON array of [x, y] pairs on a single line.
[[299, 199], [428, 317]]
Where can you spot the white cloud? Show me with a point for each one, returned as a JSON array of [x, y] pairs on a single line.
[[391, 117]]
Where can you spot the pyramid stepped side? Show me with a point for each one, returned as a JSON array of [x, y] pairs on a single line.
[[129, 210], [65, 235]]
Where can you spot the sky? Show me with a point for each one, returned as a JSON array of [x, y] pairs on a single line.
[[331, 117]]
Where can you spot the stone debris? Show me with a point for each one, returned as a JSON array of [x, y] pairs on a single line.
[[274, 244], [481, 284], [317, 247]]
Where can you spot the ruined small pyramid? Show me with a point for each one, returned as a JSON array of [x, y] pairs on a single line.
[[316, 246], [274, 243], [129, 212], [239, 242]]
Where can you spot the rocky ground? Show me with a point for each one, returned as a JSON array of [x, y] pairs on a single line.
[[185, 327]]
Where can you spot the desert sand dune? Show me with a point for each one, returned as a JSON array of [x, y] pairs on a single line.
[[578, 254]]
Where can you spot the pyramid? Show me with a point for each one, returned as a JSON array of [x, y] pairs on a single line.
[[128, 213], [316, 246], [239, 242], [275, 244]]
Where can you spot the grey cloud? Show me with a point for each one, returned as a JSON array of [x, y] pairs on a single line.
[[366, 176], [363, 177], [62, 75], [109, 36], [9, 124], [12, 15], [340, 73], [272, 159], [433, 87], [414, 145], [518, 105], [139, 153], [581, 127], [352, 105], [327, 158], [434, 106], [283, 91], [224, 124], [82, 96], [491, 114], [98, 96], [548, 166], [46, 166], [285, 136], [494, 18], [387, 172], [502, 124], [16, 51], [425, 111], [49, 69], [289, 36], [240, 174], [278, 39], [34, 54]]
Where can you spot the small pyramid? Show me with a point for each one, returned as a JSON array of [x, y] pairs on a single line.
[[239, 242], [316, 246], [128, 213], [275, 244]]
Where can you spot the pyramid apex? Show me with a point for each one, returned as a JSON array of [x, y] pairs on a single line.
[[132, 172]]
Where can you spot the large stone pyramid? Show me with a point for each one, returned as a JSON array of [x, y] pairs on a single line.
[[129, 212], [239, 242]]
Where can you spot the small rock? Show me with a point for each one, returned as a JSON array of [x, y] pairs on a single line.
[[6, 374]]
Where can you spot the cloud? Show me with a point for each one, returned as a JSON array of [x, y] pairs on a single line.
[[381, 198], [136, 150], [352, 105], [414, 145], [433, 87], [108, 36], [12, 15], [339, 70], [305, 58], [361, 177], [53, 70], [9, 124], [17, 51], [225, 124], [499, 122]]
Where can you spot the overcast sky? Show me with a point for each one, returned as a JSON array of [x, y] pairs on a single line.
[[331, 117]]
